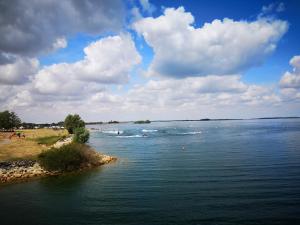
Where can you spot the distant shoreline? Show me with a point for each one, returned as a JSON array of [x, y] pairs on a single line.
[[196, 120], [46, 125], [261, 118]]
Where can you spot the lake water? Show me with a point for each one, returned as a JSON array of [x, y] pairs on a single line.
[[215, 172]]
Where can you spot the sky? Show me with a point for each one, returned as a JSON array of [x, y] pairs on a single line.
[[149, 59]]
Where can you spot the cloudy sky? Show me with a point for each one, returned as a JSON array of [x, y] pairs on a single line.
[[141, 59]]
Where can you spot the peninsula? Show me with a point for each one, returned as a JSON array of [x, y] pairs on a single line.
[[40, 152]]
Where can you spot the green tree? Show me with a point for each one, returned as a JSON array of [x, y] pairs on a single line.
[[9, 120], [81, 135], [72, 122]]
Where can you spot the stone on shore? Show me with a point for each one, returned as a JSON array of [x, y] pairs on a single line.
[[25, 169]]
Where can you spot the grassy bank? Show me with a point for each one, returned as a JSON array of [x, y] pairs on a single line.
[[35, 141], [50, 140]]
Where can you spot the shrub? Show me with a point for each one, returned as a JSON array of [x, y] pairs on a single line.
[[66, 158], [81, 135], [72, 122]]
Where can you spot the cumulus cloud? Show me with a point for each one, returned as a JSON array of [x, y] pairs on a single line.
[[21, 99], [193, 97], [290, 81], [107, 61], [19, 71], [220, 47], [5, 92], [71, 85], [198, 91], [29, 28]]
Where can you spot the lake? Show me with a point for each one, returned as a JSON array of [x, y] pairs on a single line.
[[206, 172]]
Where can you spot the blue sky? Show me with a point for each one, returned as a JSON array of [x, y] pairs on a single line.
[[129, 60], [206, 11]]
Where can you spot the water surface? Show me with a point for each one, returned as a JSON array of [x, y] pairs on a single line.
[[209, 172]]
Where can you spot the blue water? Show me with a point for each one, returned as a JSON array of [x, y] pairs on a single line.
[[215, 172]]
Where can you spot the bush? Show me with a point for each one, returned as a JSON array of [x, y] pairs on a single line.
[[72, 122], [81, 135], [66, 158]]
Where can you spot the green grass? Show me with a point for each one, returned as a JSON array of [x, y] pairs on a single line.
[[50, 140]]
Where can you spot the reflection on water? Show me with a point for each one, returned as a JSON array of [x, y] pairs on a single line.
[[69, 180]]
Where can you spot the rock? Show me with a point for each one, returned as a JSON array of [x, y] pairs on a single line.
[[10, 171], [66, 141], [106, 159], [18, 175], [23, 169]]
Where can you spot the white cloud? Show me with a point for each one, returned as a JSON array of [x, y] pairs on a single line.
[[290, 81], [197, 94], [295, 62], [107, 61], [60, 43], [19, 71], [194, 97], [57, 79], [6, 91], [21, 99], [31, 28], [220, 47], [197, 55]]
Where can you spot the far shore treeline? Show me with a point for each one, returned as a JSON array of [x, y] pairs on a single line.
[[9, 121]]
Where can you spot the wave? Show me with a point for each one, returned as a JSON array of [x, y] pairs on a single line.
[[112, 131], [131, 136], [191, 133], [149, 131], [93, 130]]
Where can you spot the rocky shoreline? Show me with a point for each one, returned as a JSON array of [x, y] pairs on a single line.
[[26, 169], [22, 170]]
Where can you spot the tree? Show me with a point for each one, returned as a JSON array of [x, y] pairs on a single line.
[[9, 120], [81, 135], [72, 122]]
